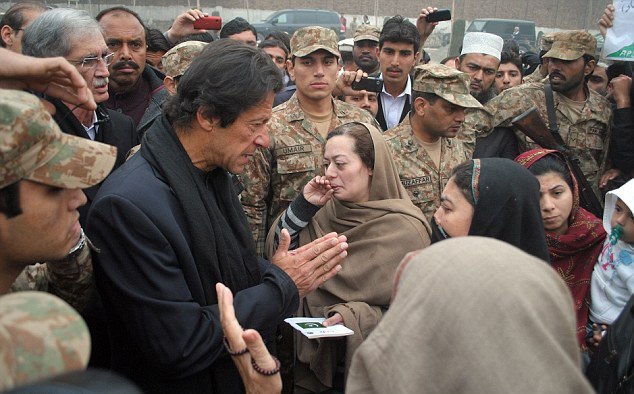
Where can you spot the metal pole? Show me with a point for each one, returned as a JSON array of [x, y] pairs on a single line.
[[376, 12], [589, 16]]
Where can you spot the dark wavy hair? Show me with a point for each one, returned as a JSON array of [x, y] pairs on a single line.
[[399, 29], [237, 26], [225, 80]]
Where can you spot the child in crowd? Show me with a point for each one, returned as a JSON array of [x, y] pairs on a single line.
[[613, 277]]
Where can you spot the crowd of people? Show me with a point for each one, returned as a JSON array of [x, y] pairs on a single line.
[[159, 191]]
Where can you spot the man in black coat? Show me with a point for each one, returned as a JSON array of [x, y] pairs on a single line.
[[169, 226], [76, 36]]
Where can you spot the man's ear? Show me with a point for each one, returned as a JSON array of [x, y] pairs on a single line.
[[206, 123], [290, 67], [170, 84], [589, 67], [420, 105], [7, 34]]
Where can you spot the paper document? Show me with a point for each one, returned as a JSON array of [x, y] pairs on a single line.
[[312, 327], [619, 40]]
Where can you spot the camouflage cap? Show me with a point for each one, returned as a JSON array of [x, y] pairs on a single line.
[[547, 41], [446, 82], [33, 147], [40, 336], [177, 60], [367, 32], [313, 38], [572, 44]]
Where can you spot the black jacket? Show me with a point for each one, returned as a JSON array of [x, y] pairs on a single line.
[[164, 337], [114, 129], [622, 147]]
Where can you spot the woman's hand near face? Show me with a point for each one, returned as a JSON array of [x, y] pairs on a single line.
[[318, 191]]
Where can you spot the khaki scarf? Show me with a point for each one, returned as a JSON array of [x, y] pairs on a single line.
[[380, 232], [473, 315]]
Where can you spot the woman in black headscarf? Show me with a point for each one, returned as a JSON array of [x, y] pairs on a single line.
[[494, 198]]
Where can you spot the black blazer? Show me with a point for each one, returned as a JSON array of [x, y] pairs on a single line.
[[380, 117], [115, 129]]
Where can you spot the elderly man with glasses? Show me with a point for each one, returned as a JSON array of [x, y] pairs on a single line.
[[76, 36]]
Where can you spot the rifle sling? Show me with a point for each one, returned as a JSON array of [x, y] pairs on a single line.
[[553, 126]]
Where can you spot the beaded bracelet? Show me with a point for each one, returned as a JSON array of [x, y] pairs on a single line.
[[231, 352], [265, 372]]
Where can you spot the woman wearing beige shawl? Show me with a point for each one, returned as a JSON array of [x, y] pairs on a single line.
[[381, 225], [473, 315]]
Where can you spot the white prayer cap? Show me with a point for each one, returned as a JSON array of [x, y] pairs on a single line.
[[486, 43]]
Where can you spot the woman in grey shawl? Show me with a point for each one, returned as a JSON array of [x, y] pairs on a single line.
[[473, 315]]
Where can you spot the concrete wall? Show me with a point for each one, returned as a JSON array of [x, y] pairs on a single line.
[[561, 14]]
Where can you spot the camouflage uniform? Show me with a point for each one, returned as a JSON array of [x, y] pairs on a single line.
[[32, 147], [536, 76], [177, 60], [71, 278], [278, 173], [295, 155], [40, 336], [371, 33], [420, 177], [545, 45], [588, 137]]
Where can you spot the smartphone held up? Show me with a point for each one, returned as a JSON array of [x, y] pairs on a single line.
[[208, 23], [370, 84], [439, 16]]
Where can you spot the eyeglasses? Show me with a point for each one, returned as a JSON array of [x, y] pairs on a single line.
[[92, 62]]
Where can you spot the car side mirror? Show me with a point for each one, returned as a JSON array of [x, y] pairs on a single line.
[[274, 21]]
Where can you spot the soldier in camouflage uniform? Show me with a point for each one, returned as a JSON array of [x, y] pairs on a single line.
[[177, 60], [423, 146], [582, 114], [297, 131], [40, 336], [41, 173], [366, 48], [541, 71]]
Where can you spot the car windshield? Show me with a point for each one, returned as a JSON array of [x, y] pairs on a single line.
[[477, 26], [272, 16]]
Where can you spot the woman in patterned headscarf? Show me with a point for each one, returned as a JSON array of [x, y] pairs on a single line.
[[574, 235]]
